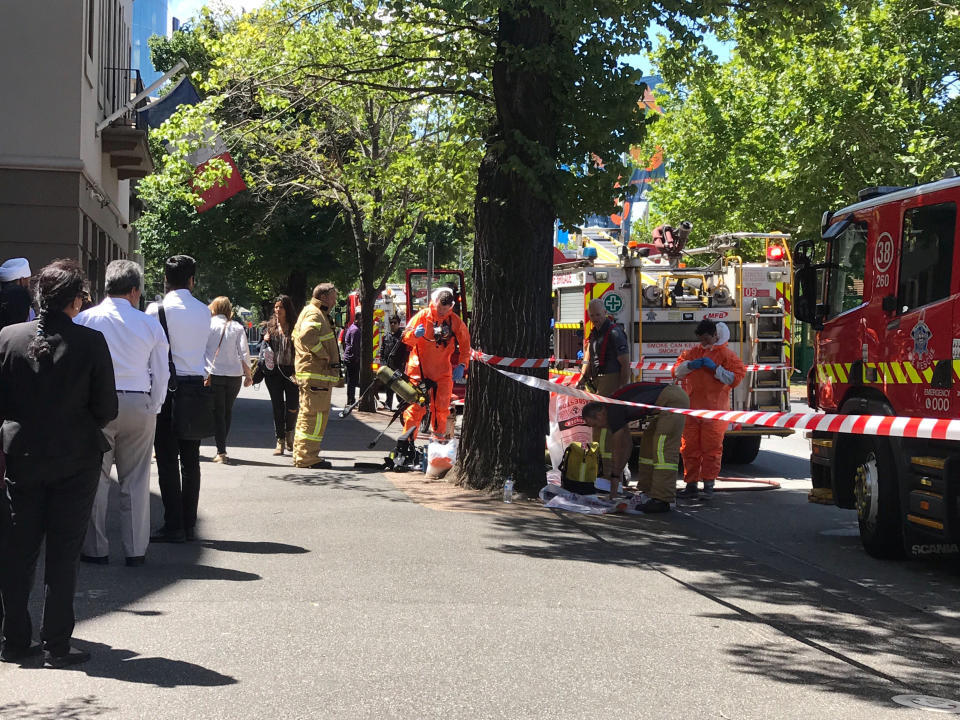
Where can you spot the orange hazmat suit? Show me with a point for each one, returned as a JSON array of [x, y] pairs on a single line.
[[702, 444], [430, 359]]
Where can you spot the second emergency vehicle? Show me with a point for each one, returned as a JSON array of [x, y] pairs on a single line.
[[658, 299]]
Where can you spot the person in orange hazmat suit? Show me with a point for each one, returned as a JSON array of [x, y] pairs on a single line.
[[430, 335], [707, 372]]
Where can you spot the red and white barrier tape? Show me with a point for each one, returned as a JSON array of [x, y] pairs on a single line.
[[885, 425], [502, 361], [509, 361]]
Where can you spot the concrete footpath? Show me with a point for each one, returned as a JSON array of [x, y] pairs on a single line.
[[340, 594]]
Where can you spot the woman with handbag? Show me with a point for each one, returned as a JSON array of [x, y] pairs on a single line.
[[228, 365], [276, 359]]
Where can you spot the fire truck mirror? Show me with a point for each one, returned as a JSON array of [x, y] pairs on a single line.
[[889, 303], [806, 308]]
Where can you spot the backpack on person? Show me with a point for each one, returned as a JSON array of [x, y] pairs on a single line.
[[580, 466]]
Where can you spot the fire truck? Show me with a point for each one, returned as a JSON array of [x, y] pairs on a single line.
[[881, 290], [658, 299]]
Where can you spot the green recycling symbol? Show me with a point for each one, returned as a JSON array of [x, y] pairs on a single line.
[[612, 303]]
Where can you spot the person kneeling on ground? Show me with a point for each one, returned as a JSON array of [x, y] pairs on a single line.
[[659, 446]]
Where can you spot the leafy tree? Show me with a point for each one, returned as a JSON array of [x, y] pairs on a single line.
[[390, 166], [792, 126]]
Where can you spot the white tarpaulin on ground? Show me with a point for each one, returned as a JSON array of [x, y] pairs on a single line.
[[554, 496]]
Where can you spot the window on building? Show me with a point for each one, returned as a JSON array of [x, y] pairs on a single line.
[[926, 255], [848, 250]]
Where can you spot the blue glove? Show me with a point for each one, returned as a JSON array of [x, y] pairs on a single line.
[[708, 364], [419, 332], [695, 364], [458, 372]]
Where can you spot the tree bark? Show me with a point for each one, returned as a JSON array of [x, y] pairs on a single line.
[[505, 423], [296, 288]]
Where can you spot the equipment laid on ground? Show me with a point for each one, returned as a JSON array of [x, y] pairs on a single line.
[[882, 294], [580, 466], [658, 299]]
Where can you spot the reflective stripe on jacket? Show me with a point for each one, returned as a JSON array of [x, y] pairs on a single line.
[[315, 346]]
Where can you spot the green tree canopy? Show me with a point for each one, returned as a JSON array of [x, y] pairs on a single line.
[[796, 124]]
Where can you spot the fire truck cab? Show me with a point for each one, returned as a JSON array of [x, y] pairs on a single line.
[[882, 291], [658, 300]]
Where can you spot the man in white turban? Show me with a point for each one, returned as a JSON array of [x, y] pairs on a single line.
[[15, 306]]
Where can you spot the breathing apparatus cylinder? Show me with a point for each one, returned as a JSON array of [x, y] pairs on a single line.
[[400, 384]]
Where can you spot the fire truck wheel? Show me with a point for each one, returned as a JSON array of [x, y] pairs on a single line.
[[740, 449], [878, 507]]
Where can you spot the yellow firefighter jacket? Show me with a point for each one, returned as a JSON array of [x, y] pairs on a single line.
[[315, 344]]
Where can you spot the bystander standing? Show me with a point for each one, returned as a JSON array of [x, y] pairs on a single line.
[[139, 350], [280, 380], [56, 393], [227, 361], [186, 322]]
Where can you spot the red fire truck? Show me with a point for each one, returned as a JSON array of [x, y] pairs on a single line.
[[883, 293]]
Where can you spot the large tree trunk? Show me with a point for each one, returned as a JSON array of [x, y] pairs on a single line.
[[296, 288], [505, 423]]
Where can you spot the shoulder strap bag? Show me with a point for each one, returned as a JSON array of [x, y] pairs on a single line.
[[192, 402]]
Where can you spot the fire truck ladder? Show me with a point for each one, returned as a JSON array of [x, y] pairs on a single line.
[[770, 388]]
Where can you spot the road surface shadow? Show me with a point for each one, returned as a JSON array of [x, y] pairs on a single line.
[[343, 480], [129, 666], [256, 548], [78, 708], [862, 641]]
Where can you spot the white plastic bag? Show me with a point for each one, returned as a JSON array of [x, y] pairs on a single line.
[[440, 458], [566, 426]]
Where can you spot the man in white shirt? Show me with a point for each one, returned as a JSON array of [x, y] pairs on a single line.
[[138, 349], [187, 326]]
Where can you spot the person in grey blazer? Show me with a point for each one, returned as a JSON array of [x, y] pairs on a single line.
[[56, 393]]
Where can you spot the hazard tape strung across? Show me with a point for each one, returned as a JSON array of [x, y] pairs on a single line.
[[509, 361], [546, 362], [885, 425]]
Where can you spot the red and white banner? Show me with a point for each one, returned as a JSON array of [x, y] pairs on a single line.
[[884, 425], [502, 361]]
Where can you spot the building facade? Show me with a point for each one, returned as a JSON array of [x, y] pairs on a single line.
[[64, 179], [149, 18]]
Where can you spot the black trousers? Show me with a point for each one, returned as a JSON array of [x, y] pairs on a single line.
[[178, 472], [49, 499], [353, 381], [285, 398], [225, 391]]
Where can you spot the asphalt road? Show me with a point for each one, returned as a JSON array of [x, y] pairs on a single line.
[[337, 594]]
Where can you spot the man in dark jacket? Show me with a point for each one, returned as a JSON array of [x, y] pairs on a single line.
[[393, 353], [351, 356], [56, 392]]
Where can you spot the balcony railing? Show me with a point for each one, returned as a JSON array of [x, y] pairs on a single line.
[[120, 86]]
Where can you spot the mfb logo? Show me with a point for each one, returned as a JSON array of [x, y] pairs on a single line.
[[716, 315]]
